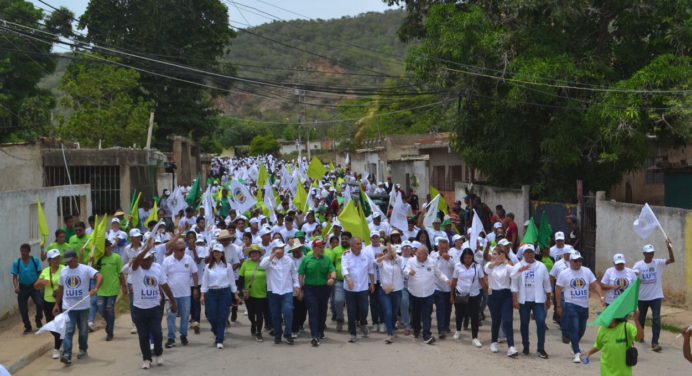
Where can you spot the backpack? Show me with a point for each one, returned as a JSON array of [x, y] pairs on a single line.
[[33, 261]]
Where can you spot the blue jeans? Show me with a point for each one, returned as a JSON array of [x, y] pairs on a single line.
[[218, 306], [563, 326], [500, 304], [281, 305], [390, 306], [93, 307], [655, 306], [317, 299], [575, 318], [357, 309], [184, 311], [78, 319], [405, 309], [148, 322], [443, 310], [106, 307], [376, 313], [195, 307], [539, 314], [421, 311], [339, 300]]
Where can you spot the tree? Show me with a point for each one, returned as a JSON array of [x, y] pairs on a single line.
[[24, 107], [552, 92], [188, 33], [107, 105], [262, 145]]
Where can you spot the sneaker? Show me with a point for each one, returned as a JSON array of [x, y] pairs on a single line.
[[542, 354], [91, 326], [457, 334], [151, 346], [67, 361], [82, 354], [339, 326], [158, 360], [146, 364], [56, 354], [565, 339], [381, 328], [388, 340], [656, 348], [416, 334], [577, 358], [277, 341], [442, 335], [109, 337], [476, 343], [352, 339], [259, 338], [195, 327], [314, 342], [219, 346], [27, 331], [493, 347], [525, 351], [170, 343], [429, 341], [290, 341], [184, 340], [407, 332], [365, 331], [133, 330], [294, 335], [512, 352]]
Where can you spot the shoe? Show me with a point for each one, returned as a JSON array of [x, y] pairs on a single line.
[[512, 352], [322, 336], [184, 340], [294, 335], [290, 341], [82, 354], [416, 334], [339, 326], [577, 358], [442, 336], [219, 346], [170, 343], [388, 340], [381, 328], [525, 351], [501, 340], [542, 354], [109, 337], [476, 343], [258, 337], [27, 331], [66, 360], [146, 364], [352, 339], [656, 348], [365, 331], [195, 327], [407, 332], [565, 339], [91, 327], [493, 347], [429, 341], [457, 334], [271, 332], [234, 315], [315, 342], [56, 354], [151, 346], [277, 341], [133, 330], [158, 360]]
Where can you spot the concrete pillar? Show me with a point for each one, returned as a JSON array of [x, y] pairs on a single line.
[[125, 188]]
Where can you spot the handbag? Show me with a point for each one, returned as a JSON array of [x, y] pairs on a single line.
[[631, 354], [464, 299], [246, 292]]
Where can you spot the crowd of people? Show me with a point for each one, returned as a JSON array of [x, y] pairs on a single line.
[[273, 236]]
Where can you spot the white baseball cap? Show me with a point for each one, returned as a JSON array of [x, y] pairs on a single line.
[[576, 255], [619, 258], [441, 239], [416, 245], [457, 237], [405, 243], [559, 236], [504, 242], [135, 233], [497, 225], [648, 249], [53, 253], [218, 247], [529, 248], [278, 244], [115, 220], [374, 233]]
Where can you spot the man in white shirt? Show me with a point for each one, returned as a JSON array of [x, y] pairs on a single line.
[[376, 314], [378, 226], [617, 278], [411, 232], [531, 293], [181, 273], [422, 273], [282, 277], [358, 270], [558, 267], [560, 248], [576, 282], [651, 289], [442, 295]]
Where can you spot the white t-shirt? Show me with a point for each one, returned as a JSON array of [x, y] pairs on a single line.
[[575, 284], [185, 222], [146, 286], [179, 274], [652, 279], [468, 280], [556, 253], [614, 277], [75, 284]]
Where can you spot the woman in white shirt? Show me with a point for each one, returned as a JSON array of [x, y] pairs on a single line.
[[499, 271], [218, 287], [468, 279], [392, 281]]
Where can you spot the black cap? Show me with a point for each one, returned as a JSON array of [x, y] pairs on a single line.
[[69, 255]]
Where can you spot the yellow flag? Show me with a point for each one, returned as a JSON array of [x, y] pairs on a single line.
[[42, 223], [442, 204], [134, 212], [263, 176], [301, 197], [99, 236], [154, 216], [339, 181], [352, 221], [331, 166], [316, 170]]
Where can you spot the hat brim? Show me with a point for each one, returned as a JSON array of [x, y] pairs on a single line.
[[248, 251]]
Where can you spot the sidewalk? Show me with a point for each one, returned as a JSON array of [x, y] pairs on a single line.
[[18, 350]]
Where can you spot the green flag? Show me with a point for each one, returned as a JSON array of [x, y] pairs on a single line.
[[316, 169], [195, 193], [363, 202], [531, 236], [545, 232], [622, 306], [442, 204]]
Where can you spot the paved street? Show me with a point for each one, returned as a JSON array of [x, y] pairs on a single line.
[[244, 356]]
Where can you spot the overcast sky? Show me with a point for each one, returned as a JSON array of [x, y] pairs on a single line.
[[241, 12]]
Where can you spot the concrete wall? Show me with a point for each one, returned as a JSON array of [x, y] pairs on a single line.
[[21, 157], [418, 168], [19, 225], [614, 234], [513, 200]]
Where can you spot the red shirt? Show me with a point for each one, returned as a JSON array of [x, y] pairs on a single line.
[[512, 230]]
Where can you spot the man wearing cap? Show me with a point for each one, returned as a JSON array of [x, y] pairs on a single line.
[[358, 270], [434, 232], [73, 295], [576, 282], [650, 270], [617, 278], [300, 310], [560, 248], [25, 272], [289, 229], [338, 293], [131, 251], [230, 249], [411, 232], [443, 291], [181, 273], [48, 281], [317, 274], [282, 279], [148, 280], [378, 226], [199, 252], [558, 267], [531, 291]]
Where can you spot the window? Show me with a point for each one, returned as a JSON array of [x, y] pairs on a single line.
[[34, 235], [455, 175], [438, 177], [653, 174]]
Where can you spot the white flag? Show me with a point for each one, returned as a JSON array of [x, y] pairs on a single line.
[[398, 219], [243, 200], [431, 212], [208, 202], [376, 209], [58, 325], [647, 223], [269, 201], [476, 228]]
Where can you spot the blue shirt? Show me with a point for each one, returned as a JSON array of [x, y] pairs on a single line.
[[27, 273]]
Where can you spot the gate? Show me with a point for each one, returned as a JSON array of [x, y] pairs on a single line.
[[588, 231]]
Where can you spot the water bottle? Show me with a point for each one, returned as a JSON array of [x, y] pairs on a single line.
[[585, 360]]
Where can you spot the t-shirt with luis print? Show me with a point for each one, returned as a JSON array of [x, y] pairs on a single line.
[[575, 284], [622, 278], [75, 284], [146, 286], [652, 278]]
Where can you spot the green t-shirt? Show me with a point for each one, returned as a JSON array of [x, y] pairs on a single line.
[[224, 207], [68, 233], [548, 262], [77, 243], [337, 254], [316, 270], [258, 289], [64, 247], [110, 267], [611, 342], [48, 290]]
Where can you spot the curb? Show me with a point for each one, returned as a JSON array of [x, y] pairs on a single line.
[[28, 358]]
